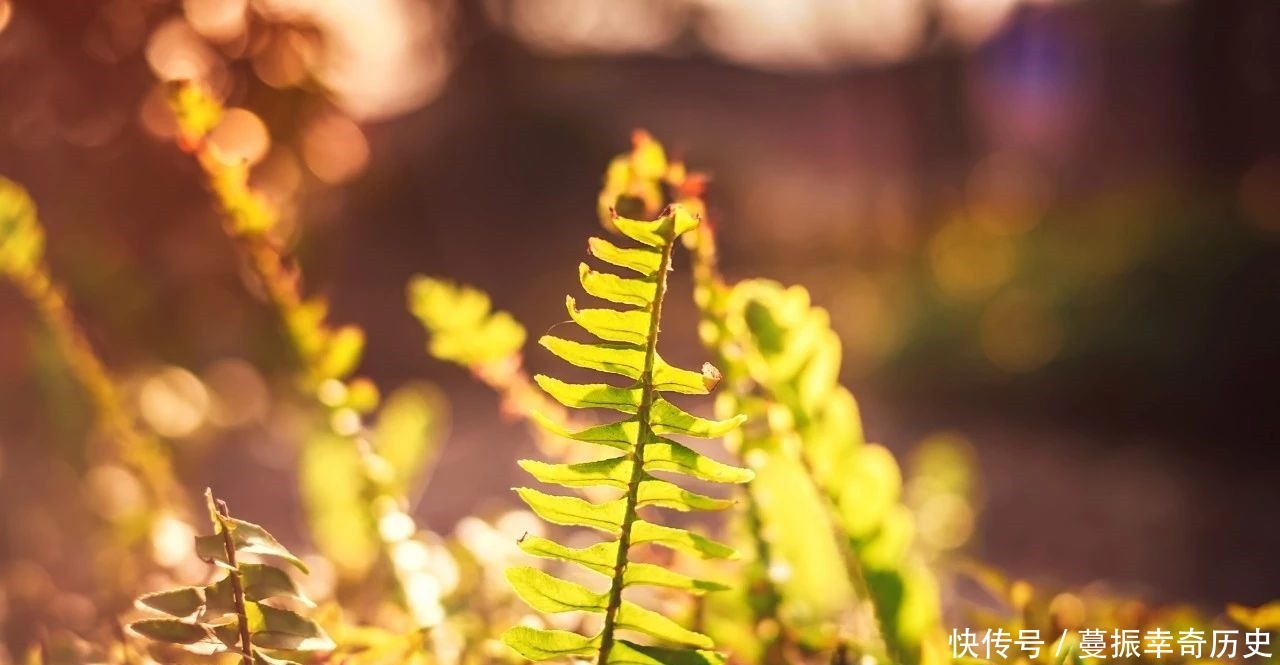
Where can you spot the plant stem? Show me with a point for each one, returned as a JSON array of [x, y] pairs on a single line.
[[237, 585], [140, 452], [644, 435]]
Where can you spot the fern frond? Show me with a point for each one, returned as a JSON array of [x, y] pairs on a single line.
[[626, 348], [235, 614]]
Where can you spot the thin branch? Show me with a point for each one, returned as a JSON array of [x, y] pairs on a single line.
[[237, 585]]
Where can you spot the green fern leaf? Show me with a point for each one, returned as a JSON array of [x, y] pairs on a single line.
[[626, 653], [572, 511], [645, 261], [612, 472], [599, 557], [539, 645], [625, 346], [631, 616], [609, 324], [249, 538], [667, 455], [591, 395], [679, 540], [547, 593], [180, 602], [648, 574], [614, 435], [622, 290]]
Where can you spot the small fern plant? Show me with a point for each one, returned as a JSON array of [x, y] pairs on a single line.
[[627, 345], [232, 615]]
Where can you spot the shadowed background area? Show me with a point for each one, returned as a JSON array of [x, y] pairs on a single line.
[[1048, 228]]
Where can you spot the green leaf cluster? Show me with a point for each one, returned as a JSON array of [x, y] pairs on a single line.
[[244, 602], [327, 353], [623, 342], [21, 236], [790, 358], [633, 182], [464, 328]]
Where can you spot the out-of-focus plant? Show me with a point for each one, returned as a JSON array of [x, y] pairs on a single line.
[[463, 329], [790, 367], [23, 263], [232, 614], [371, 504], [943, 490], [627, 346], [1004, 610]]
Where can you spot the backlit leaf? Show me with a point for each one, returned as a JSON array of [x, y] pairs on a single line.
[[642, 260], [573, 511], [262, 582], [275, 628], [627, 653], [539, 645], [173, 631], [622, 290], [591, 395], [667, 378], [612, 472], [627, 326], [667, 455], [662, 494], [620, 435], [633, 617], [180, 602], [622, 359], [667, 418], [249, 538], [679, 540], [600, 557], [654, 575], [546, 593]]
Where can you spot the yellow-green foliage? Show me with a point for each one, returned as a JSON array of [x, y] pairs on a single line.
[[625, 345], [241, 613], [334, 476], [463, 327], [22, 261], [633, 182], [21, 237], [787, 367]]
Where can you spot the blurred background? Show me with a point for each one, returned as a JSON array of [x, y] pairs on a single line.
[[1046, 228]]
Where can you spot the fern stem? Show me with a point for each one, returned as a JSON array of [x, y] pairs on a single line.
[[237, 585], [644, 435]]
